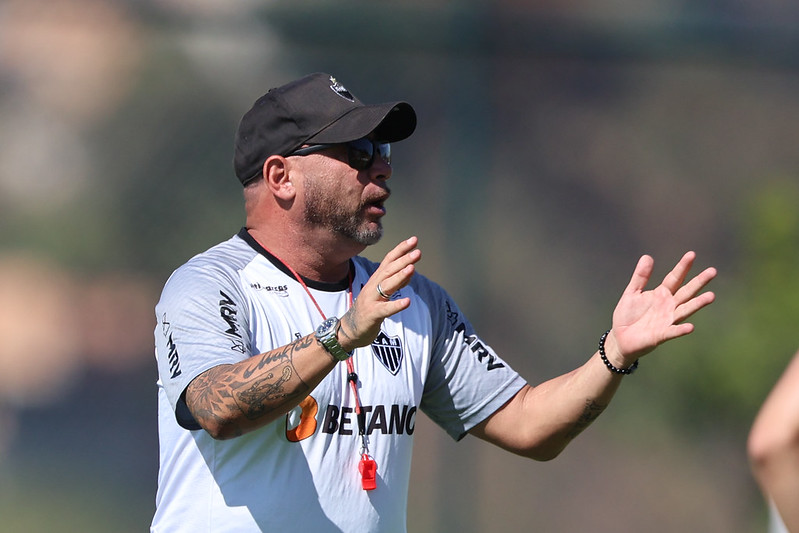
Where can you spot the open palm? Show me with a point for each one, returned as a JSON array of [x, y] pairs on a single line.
[[643, 319]]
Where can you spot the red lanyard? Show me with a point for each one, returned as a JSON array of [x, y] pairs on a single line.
[[366, 466], [352, 377]]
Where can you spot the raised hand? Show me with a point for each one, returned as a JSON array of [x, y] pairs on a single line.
[[643, 319], [361, 324]]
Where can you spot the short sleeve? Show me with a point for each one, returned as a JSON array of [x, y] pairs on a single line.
[[201, 323], [466, 381]]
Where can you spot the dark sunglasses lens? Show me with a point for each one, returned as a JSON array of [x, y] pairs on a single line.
[[384, 149], [360, 154]]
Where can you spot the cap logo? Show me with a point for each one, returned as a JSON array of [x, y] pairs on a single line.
[[340, 90]]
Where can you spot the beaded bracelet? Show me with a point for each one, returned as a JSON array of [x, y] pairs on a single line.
[[625, 371]]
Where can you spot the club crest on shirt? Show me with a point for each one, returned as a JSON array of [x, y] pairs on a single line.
[[388, 350]]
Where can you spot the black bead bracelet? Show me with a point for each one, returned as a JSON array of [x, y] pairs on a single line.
[[625, 371]]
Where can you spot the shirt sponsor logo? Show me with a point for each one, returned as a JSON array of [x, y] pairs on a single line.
[[388, 350], [384, 419], [279, 290], [476, 345], [228, 311], [479, 349], [172, 357]]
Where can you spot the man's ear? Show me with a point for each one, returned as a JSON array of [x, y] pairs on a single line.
[[277, 177]]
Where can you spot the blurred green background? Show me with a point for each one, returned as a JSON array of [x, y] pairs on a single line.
[[557, 142]]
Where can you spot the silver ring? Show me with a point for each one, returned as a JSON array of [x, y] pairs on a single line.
[[382, 294]]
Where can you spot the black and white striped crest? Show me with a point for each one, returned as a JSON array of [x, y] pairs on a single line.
[[388, 350]]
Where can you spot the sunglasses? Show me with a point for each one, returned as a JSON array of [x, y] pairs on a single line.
[[360, 153]]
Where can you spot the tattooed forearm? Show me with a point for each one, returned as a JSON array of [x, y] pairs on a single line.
[[282, 355], [590, 413], [255, 400], [264, 386]]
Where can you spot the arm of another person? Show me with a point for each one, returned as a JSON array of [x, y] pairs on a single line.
[[539, 422], [233, 399], [773, 445]]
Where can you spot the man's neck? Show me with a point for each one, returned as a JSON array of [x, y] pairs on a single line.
[[328, 262]]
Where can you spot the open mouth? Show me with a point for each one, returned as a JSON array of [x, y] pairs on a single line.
[[376, 206]]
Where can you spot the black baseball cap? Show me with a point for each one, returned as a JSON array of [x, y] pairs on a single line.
[[315, 109]]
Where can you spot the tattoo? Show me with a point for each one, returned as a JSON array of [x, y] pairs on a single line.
[[590, 413], [262, 391], [348, 319], [266, 385], [281, 355]]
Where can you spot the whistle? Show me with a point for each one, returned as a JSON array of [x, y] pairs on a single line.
[[368, 469]]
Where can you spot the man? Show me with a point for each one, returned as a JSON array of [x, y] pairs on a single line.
[[291, 369]]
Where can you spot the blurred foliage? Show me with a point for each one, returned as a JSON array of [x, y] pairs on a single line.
[[720, 375]]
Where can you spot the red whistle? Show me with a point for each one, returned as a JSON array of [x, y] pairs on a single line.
[[368, 469]]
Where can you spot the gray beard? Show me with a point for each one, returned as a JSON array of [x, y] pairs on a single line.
[[320, 211]]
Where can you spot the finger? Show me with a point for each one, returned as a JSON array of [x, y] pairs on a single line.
[[400, 250], [641, 275], [382, 292], [693, 287], [676, 277], [686, 310], [678, 330], [396, 281], [383, 309], [395, 271], [396, 260]]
